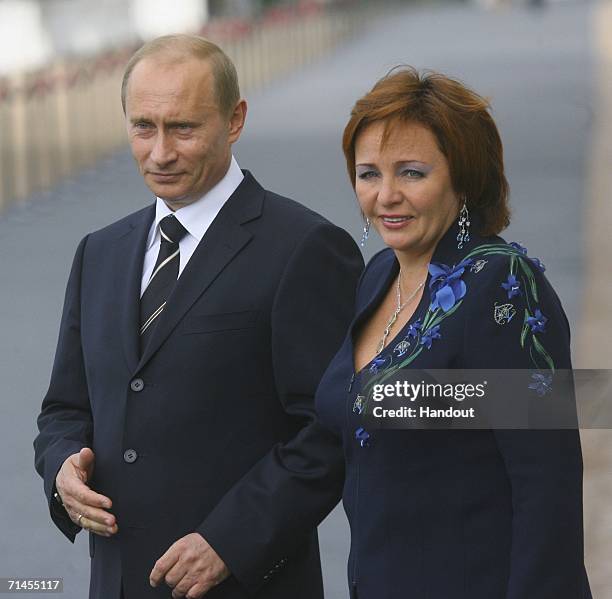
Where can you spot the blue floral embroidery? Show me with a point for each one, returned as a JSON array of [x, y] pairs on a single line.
[[414, 329], [362, 436], [377, 363], [523, 250], [402, 347], [512, 286], [517, 246], [537, 322], [447, 290], [446, 285], [478, 266], [359, 404], [542, 383], [430, 335], [538, 263], [451, 289]]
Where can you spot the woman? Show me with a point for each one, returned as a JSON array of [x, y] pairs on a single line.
[[449, 514]]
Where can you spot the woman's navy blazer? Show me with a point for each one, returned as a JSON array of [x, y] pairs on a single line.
[[461, 514]]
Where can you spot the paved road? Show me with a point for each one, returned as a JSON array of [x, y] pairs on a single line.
[[537, 68]]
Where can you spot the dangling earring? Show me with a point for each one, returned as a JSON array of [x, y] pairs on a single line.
[[366, 232], [464, 226]]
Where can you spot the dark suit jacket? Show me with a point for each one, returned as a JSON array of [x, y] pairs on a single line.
[[461, 514], [212, 429]]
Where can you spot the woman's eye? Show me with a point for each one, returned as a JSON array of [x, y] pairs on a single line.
[[412, 173], [367, 175]]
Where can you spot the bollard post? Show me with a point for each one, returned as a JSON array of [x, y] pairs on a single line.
[[5, 149], [44, 118], [62, 121], [71, 114], [119, 132], [19, 138]]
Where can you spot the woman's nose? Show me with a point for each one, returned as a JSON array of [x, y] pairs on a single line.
[[389, 193]]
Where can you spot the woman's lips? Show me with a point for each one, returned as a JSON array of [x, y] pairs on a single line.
[[395, 221]]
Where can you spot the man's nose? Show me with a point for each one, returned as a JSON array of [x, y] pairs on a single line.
[[163, 152]]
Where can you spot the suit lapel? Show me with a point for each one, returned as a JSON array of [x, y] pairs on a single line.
[[383, 281], [224, 239], [130, 251]]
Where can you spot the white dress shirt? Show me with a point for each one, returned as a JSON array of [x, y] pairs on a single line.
[[196, 218]]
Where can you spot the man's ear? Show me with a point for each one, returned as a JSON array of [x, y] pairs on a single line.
[[237, 119]]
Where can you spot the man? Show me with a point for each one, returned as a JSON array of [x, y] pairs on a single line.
[[179, 427]]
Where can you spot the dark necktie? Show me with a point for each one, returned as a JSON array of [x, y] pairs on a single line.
[[163, 277]]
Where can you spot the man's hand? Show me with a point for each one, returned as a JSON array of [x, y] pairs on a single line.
[[79, 499], [191, 567]]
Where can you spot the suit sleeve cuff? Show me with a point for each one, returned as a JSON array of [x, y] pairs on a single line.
[[58, 512], [250, 565]]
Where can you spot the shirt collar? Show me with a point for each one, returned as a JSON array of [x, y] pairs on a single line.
[[199, 215]]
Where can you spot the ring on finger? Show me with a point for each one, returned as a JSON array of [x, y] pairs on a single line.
[[80, 516]]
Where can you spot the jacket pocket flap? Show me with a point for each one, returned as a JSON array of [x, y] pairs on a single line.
[[209, 323]]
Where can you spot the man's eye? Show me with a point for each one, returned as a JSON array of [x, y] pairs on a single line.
[[142, 125]]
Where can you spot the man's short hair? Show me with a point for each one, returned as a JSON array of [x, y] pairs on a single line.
[[179, 47]]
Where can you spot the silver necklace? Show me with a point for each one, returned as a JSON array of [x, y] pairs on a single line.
[[398, 309]]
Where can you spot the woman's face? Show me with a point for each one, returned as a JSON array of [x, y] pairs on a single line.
[[404, 188]]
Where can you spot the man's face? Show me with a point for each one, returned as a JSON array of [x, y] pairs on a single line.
[[179, 138]]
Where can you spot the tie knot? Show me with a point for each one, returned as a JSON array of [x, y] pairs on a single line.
[[171, 229]]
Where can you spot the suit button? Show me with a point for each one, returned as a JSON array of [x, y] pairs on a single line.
[[137, 385], [130, 456]]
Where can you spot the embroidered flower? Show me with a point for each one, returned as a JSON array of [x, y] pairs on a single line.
[[539, 264], [402, 347], [413, 330], [478, 266], [512, 286], [537, 322], [503, 313], [376, 364], [362, 436], [542, 384], [429, 335], [446, 286], [519, 247], [359, 404]]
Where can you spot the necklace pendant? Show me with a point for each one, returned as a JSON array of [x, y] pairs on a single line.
[[400, 348]]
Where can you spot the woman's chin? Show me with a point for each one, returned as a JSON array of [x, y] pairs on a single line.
[[398, 241]]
